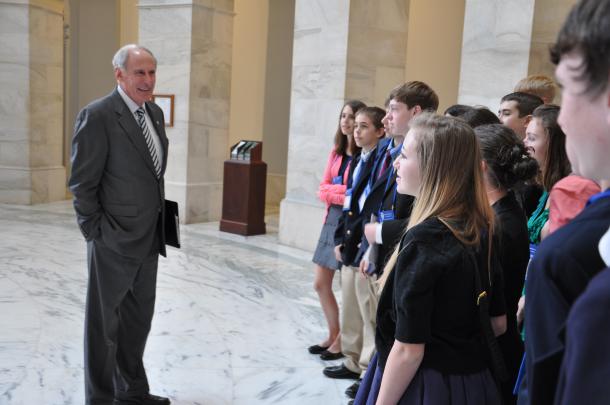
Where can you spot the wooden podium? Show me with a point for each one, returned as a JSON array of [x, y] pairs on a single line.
[[243, 192]]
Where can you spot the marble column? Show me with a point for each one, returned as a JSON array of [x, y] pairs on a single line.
[[549, 16], [504, 42], [192, 40], [342, 49], [495, 50], [31, 102]]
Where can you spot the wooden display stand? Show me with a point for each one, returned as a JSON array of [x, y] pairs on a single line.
[[243, 193]]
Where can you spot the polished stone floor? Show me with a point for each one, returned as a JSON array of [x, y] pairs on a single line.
[[234, 316]]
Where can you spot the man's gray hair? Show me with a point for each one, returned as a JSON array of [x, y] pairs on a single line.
[[119, 60]]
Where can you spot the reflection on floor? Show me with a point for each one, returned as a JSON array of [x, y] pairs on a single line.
[[234, 316]]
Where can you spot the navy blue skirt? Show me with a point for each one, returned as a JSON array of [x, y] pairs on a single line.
[[431, 387]]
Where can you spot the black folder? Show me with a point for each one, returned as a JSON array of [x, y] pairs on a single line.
[[172, 224]]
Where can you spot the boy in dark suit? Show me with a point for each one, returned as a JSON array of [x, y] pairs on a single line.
[[390, 208], [357, 330], [569, 258]]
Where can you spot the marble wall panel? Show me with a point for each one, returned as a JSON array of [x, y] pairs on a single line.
[[15, 154], [381, 14], [31, 107], [207, 154], [338, 49], [14, 102], [320, 32], [308, 150], [549, 15], [276, 189], [203, 202], [194, 53], [46, 94], [300, 224], [495, 49], [318, 81], [225, 6], [48, 184], [15, 185]]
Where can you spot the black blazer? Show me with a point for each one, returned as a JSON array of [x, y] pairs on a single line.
[[349, 227], [391, 230], [557, 275], [119, 200]]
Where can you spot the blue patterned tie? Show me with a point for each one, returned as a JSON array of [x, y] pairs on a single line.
[[149, 141]]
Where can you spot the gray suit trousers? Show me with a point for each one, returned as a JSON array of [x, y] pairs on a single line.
[[120, 307]]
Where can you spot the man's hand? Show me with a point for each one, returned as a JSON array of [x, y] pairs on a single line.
[[370, 230]]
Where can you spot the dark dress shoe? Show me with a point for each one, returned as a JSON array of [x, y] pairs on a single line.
[[150, 399], [317, 349], [341, 372], [326, 355], [352, 390], [351, 402], [146, 399]]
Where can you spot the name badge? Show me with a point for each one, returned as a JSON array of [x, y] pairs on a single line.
[[387, 215], [348, 200], [338, 180]]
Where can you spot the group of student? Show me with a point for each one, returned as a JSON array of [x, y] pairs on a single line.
[[442, 225]]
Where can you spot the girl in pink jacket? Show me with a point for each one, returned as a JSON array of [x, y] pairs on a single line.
[[332, 192]]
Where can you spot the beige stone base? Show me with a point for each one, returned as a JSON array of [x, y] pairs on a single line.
[[300, 224], [276, 189], [32, 186], [199, 202]]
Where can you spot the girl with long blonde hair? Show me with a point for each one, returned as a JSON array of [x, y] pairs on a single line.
[[429, 338]]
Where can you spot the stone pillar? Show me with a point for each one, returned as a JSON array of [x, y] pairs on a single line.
[[31, 101], [495, 50], [549, 16], [504, 42], [192, 40], [342, 49]]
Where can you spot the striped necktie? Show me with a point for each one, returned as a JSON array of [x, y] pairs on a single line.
[[386, 163], [149, 141]]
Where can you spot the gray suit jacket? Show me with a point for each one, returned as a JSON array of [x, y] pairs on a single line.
[[117, 197]]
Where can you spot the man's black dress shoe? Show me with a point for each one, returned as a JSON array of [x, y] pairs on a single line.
[[352, 390], [147, 399], [350, 402], [326, 355], [150, 399], [316, 349], [340, 372]]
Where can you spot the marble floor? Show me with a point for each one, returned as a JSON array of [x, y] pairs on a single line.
[[234, 316]]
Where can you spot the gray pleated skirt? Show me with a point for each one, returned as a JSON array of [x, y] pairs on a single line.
[[325, 251]]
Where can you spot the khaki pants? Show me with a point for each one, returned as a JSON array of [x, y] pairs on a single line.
[[358, 316]]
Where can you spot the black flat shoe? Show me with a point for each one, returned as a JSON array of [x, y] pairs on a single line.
[[340, 372], [326, 355], [317, 349], [352, 390]]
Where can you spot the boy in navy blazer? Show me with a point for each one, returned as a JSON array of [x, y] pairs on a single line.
[[391, 208], [569, 258], [357, 330]]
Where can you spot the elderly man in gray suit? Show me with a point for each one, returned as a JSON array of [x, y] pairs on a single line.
[[119, 155]]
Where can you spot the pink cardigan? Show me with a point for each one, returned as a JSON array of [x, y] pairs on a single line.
[[568, 197], [328, 192]]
